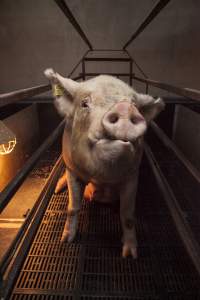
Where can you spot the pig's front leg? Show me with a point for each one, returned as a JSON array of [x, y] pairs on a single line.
[[127, 211], [75, 190]]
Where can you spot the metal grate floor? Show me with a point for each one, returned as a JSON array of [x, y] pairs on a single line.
[[92, 268]]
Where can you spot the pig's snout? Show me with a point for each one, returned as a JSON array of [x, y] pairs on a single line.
[[124, 122]]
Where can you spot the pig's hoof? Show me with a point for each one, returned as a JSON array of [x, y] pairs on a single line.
[[67, 237], [69, 231], [129, 250]]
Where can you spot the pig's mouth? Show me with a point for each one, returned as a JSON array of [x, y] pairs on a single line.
[[115, 144]]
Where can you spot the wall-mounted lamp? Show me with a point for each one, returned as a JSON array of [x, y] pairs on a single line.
[[7, 139]]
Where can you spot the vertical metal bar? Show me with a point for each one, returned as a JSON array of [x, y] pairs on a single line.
[[147, 88], [131, 71], [83, 68]]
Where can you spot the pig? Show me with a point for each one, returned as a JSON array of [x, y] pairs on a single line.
[[102, 145]]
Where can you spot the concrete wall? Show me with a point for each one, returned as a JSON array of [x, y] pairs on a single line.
[[35, 34]]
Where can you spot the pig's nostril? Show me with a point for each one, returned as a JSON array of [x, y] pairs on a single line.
[[113, 118], [136, 119]]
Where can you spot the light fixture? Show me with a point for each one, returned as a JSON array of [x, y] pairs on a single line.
[[7, 139]]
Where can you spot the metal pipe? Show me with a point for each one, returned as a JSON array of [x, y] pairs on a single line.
[[6, 259], [111, 74], [67, 12], [22, 94], [186, 92], [16, 96], [169, 144], [150, 17], [136, 64], [15, 183], [29, 234], [76, 66], [182, 226]]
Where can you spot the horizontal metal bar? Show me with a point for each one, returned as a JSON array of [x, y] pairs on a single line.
[[107, 50], [15, 183], [150, 17], [182, 226], [67, 12], [169, 144], [186, 92], [23, 94], [107, 59], [29, 231], [111, 74], [15, 96]]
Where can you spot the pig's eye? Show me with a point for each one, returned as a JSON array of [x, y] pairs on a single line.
[[84, 103]]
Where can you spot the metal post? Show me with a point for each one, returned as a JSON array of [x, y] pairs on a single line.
[[83, 69]]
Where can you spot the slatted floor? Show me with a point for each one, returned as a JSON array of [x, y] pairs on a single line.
[[92, 268]]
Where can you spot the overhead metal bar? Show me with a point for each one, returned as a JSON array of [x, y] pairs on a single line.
[[154, 12], [67, 12], [186, 92], [15, 183]]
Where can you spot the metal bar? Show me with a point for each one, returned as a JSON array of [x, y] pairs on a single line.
[[150, 17], [15, 96], [130, 74], [186, 92], [31, 230], [136, 64], [107, 50], [67, 12], [83, 69], [107, 59], [13, 186], [5, 261], [111, 74], [21, 95], [169, 144], [177, 215], [76, 66]]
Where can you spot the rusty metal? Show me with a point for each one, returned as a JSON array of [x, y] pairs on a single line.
[[67, 12], [150, 17]]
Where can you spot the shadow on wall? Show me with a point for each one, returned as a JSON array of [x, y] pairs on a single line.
[[25, 126]]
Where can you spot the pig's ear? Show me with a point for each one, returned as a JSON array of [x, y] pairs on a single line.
[[150, 107], [64, 90]]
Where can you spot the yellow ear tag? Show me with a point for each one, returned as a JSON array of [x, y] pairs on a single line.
[[58, 90]]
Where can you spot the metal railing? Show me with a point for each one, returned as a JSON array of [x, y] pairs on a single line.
[[23, 94]]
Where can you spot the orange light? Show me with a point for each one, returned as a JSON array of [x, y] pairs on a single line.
[[7, 139]]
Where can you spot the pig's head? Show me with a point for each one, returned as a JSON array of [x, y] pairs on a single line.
[[106, 119]]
